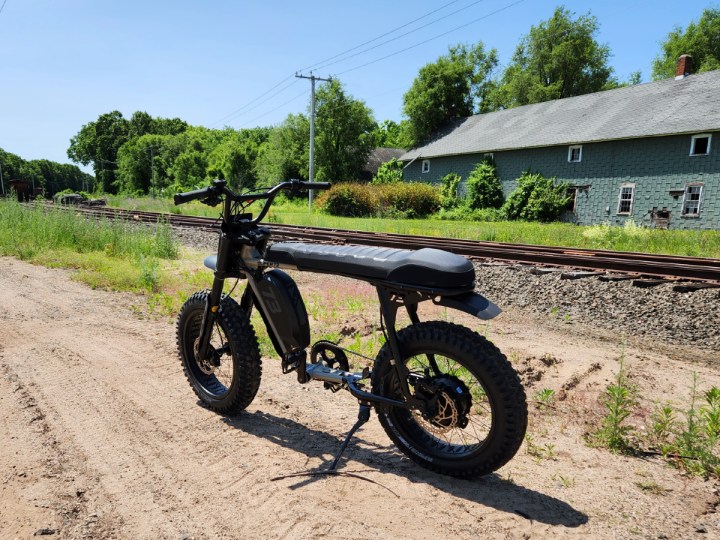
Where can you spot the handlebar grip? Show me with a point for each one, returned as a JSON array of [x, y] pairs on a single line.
[[318, 185], [182, 198]]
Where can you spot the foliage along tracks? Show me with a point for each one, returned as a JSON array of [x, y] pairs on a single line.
[[647, 269]]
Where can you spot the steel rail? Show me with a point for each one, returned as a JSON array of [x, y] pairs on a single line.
[[646, 264]]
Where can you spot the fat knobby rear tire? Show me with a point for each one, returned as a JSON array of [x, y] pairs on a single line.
[[468, 437], [231, 386]]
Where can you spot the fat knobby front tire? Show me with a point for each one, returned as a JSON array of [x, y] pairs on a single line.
[[229, 381], [480, 414]]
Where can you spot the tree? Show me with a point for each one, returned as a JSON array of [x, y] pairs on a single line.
[[343, 134], [389, 134], [98, 143], [559, 58], [453, 86], [701, 40], [235, 158], [285, 155]]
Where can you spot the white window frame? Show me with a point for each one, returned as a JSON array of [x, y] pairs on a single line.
[[623, 187], [694, 138], [488, 156], [425, 166], [570, 153], [688, 186]]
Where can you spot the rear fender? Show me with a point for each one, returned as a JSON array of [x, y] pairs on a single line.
[[472, 303]]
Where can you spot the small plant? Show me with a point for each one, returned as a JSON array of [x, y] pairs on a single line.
[[545, 397], [619, 399], [539, 451], [564, 481], [651, 487]]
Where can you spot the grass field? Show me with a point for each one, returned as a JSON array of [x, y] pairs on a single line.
[[629, 238]]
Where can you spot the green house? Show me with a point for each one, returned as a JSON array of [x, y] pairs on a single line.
[[648, 152]]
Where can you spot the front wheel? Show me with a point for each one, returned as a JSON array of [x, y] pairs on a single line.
[[229, 378], [479, 413]]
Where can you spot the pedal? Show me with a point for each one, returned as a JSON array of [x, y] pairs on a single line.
[[296, 361]]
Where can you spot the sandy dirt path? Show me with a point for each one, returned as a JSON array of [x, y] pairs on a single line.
[[101, 437]]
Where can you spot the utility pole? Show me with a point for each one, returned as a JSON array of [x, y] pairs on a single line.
[[2, 182], [312, 78]]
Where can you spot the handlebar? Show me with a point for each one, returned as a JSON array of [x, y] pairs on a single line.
[[204, 193], [211, 195]]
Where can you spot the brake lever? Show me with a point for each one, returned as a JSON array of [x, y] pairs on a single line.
[[212, 201]]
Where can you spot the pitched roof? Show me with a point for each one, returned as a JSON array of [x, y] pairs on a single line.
[[667, 107]]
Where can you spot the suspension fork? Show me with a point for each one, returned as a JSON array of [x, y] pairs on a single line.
[[213, 302]]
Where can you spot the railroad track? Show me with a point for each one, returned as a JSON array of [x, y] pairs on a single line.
[[641, 266]]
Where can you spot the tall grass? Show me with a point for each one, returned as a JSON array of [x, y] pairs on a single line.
[[58, 237]]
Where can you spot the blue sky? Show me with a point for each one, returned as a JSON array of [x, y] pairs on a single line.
[[63, 63]]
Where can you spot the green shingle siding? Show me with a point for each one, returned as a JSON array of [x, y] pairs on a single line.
[[655, 165]]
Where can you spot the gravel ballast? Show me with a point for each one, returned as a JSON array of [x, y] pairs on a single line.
[[682, 319]]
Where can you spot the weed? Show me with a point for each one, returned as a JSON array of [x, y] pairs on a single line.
[[564, 481], [545, 397], [651, 487], [539, 451], [619, 399]]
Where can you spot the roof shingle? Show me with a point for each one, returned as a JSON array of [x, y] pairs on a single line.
[[667, 107]]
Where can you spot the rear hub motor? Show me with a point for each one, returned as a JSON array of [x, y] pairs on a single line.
[[452, 404]]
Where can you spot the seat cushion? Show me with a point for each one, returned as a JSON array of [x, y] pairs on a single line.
[[425, 267]]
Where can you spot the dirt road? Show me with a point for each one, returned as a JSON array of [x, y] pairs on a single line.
[[101, 437]]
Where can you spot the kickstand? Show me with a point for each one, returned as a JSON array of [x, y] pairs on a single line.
[[363, 416]]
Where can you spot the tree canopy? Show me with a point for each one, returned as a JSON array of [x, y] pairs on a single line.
[[700, 39], [49, 175], [558, 58], [343, 134], [453, 86]]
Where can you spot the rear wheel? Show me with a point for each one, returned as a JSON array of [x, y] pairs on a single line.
[[229, 378], [479, 416]]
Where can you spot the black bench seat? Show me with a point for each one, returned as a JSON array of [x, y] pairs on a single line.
[[427, 267]]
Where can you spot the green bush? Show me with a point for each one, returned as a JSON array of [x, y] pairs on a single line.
[[389, 172], [396, 200], [464, 213], [349, 200], [484, 188], [407, 199], [536, 198], [449, 190]]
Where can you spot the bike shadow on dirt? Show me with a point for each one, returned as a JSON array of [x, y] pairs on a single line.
[[491, 490]]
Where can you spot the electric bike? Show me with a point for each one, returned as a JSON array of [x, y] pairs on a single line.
[[445, 395]]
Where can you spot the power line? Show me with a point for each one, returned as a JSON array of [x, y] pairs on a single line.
[[432, 38], [314, 66], [304, 92], [3, 6], [323, 66], [244, 109]]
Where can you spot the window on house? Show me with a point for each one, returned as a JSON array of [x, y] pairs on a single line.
[[691, 200], [426, 165], [572, 202], [700, 145], [625, 199], [488, 156], [575, 153]]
